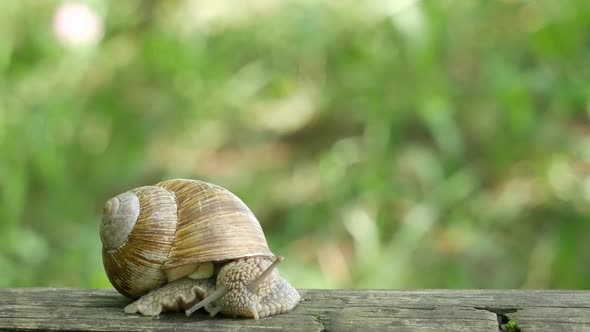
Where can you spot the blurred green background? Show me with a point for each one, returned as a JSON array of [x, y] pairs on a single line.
[[382, 144]]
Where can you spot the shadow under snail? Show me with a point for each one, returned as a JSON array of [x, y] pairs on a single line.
[[186, 244]]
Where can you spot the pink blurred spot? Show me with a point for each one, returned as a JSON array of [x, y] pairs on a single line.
[[77, 24]]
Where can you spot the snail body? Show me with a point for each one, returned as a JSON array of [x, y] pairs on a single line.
[[186, 243]]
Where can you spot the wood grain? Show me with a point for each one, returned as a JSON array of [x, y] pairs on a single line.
[[64, 309]]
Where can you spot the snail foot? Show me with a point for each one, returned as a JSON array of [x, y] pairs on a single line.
[[174, 296]]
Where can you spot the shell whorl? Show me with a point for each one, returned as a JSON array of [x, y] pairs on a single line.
[[134, 267], [119, 216]]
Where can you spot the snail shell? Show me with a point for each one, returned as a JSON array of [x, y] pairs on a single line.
[[154, 234]]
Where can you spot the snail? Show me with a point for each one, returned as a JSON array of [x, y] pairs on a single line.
[[184, 245]]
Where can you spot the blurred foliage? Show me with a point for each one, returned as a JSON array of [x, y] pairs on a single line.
[[383, 144]]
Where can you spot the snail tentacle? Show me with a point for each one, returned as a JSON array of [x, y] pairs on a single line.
[[219, 292]]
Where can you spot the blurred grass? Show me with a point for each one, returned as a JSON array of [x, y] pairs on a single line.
[[383, 144]]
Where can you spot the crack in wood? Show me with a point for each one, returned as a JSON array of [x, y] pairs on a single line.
[[318, 318], [505, 324]]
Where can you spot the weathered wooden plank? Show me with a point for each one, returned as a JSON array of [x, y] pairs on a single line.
[[36, 309], [405, 319], [552, 319]]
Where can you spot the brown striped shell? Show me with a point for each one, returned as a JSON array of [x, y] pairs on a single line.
[[171, 225]]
